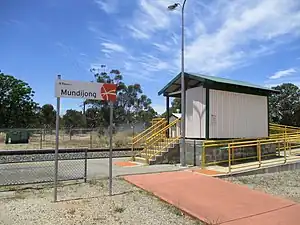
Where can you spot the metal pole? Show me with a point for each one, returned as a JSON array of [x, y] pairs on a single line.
[[56, 146], [91, 139], [132, 144], [85, 164], [229, 158], [110, 147], [41, 139], [195, 163], [183, 102]]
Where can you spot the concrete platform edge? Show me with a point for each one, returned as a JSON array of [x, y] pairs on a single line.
[[152, 172]]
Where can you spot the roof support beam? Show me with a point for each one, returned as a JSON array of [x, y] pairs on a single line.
[[174, 93]]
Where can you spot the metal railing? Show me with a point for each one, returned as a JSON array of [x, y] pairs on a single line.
[[238, 154], [276, 129], [160, 141], [139, 141]]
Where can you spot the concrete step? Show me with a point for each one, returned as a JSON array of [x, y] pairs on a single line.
[[144, 155], [144, 160], [154, 151], [166, 139], [140, 159]]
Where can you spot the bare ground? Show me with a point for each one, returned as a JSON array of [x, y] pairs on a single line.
[[284, 184], [90, 205]]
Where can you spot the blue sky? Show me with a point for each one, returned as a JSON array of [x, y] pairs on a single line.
[[256, 41]]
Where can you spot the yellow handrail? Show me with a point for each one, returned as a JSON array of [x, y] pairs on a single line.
[[141, 135], [164, 146], [149, 128], [144, 137], [162, 130], [158, 142], [285, 126], [290, 148]]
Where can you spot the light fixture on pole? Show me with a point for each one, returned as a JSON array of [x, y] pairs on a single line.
[[183, 93], [174, 6]]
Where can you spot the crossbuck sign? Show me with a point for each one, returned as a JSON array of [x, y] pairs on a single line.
[[85, 90]]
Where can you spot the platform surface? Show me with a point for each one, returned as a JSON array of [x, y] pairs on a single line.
[[217, 201]]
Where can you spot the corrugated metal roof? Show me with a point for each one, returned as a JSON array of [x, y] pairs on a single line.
[[205, 78], [229, 81]]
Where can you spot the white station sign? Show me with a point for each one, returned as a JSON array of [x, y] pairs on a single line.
[[85, 90]]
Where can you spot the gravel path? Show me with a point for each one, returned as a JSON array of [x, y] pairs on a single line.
[[129, 205], [285, 184]]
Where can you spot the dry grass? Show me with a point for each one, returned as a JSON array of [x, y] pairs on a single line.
[[87, 140]]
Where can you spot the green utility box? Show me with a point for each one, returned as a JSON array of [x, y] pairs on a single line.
[[17, 137]]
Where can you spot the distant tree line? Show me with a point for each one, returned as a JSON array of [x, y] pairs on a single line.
[[19, 110], [285, 106]]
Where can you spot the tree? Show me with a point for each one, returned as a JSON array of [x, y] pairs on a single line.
[[17, 108], [284, 107], [48, 116], [131, 104], [74, 119], [175, 107], [146, 116], [94, 117]]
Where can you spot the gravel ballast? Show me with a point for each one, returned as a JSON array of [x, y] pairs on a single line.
[[129, 205], [284, 184], [61, 156]]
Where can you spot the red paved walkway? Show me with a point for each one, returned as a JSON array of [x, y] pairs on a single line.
[[214, 200]]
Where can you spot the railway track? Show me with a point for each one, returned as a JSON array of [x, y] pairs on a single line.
[[37, 155], [65, 150]]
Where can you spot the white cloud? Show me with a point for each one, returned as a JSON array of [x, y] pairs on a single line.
[[112, 47], [283, 73], [151, 16], [283, 76], [138, 34], [221, 35], [108, 6], [270, 85], [243, 25], [145, 66], [134, 67], [152, 63], [161, 47]]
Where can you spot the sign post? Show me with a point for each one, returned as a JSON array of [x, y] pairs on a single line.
[[56, 145], [110, 146], [84, 90]]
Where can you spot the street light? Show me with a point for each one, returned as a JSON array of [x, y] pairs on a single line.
[[174, 6], [183, 101]]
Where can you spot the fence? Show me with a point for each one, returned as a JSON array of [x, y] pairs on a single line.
[[33, 161], [17, 168], [238, 154], [71, 137]]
